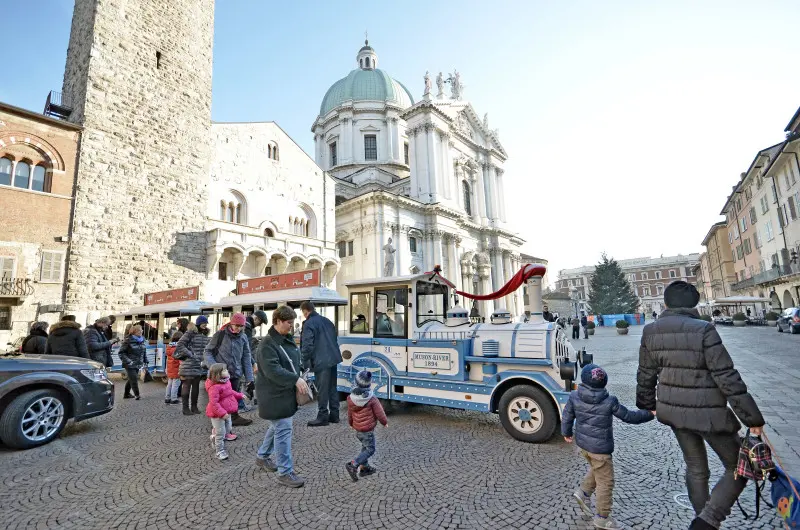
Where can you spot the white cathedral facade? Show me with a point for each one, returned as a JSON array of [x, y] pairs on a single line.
[[418, 184]]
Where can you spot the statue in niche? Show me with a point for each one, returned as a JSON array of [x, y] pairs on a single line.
[[440, 86], [427, 84], [388, 259]]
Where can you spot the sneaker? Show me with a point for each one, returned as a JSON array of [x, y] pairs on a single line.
[[607, 523], [175, 401], [167, 401], [127, 396], [291, 480], [266, 464], [137, 398], [367, 471], [223, 455], [239, 421], [584, 501], [229, 437], [352, 469]]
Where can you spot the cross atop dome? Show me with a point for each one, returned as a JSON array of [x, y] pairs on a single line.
[[367, 59]]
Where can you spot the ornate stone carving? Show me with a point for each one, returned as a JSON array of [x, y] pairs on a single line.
[[427, 84], [388, 261], [440, 86], [456, 87], [486, 121]]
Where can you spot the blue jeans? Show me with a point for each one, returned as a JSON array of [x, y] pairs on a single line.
[[367, 440], [279, 440]]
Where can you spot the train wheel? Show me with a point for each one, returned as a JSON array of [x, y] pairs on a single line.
[[527, 414]]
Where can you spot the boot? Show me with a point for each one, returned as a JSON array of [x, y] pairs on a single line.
[[194, 409], [700, 524], [320, 421], [239, 421], [186, 411]]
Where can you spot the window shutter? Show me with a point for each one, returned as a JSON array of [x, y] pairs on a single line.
[[792, 210]]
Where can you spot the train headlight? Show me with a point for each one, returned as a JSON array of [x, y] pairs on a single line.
[[568, 370]]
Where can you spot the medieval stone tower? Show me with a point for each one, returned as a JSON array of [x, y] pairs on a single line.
[[138, 75]]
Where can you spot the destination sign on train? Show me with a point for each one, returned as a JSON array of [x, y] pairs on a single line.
[[279, 282], [174, 295]]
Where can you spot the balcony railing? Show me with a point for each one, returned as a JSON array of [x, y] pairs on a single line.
[[776, 273], [57, 105], [16, 287], [744, 284]]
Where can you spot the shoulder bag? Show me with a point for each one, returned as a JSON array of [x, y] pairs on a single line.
[[303, 398]]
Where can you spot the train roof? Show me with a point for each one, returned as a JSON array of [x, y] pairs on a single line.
[[392, 280], [321, 296], [188, 307]]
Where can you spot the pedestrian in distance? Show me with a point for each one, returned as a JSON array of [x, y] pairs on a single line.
[[223, 401], [231, 347], [66, 339], [320, 351], [576, 328], [591, 409], [655, 315], [190, 351], [133, 354], [700, 395], [546, 314], [585, 326], [364, 411], [277, 380], [173, 371], [97, 344], [36, 341]]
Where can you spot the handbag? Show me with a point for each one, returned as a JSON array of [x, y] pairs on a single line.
[[754, 463], [303, 398]]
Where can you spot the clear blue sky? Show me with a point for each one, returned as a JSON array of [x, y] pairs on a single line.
[[626, 123]]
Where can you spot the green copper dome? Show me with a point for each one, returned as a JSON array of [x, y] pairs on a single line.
[[366, 85]]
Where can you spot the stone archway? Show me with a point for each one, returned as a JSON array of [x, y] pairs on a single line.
[[774, 301], [788, 301]]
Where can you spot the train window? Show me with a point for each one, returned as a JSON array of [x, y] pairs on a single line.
[[390, 313], [359, 309], [431, 302]]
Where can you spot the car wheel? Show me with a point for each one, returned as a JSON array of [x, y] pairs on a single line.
[[795, 330], [527, 414], [32, 419]]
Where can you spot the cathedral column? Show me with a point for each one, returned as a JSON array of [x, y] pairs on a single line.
[[437, 248], [481, 197], [447, 166], [379, 254], [454, 261], [430, 134], [487, 306], [397, 151], [497, 268], [386, 156], [413, 166], [501, 194], [401, 245], [508, 272]]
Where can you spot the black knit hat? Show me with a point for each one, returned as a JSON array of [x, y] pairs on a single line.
[[681, 294], [594, 376]]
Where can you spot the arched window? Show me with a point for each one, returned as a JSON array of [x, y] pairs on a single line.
[[223, 208], [367, 59], [22, 175], [39, 179], [5, 171], [268, 232], [269, 151], [467, 197], [230, 212], [233, 208], [239, 213], [275, 152]]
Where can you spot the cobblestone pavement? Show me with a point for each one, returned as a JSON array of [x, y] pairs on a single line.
[[147, 466]]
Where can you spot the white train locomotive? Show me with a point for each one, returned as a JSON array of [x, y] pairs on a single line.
[[422, 350]]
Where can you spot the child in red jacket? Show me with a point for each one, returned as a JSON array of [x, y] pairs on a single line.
[[364, 411], [173, 364], [222, 402]]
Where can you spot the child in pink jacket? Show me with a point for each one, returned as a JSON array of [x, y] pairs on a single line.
[[222, 402]]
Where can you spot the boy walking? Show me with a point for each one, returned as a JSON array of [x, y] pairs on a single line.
[[364, 411], [591, 408]]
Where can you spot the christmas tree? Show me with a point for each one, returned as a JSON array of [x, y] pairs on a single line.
[[611, 294]]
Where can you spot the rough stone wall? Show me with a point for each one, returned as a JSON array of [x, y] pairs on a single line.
[[138, 74]]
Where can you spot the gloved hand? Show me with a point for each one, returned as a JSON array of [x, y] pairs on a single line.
[[250, 389]]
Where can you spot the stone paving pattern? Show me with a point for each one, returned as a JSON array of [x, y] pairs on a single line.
[[147, 466]]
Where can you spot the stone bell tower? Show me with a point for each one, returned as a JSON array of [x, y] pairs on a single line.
[[138, 77]]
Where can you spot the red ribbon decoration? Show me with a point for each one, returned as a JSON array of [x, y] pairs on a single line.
[[516, 281]]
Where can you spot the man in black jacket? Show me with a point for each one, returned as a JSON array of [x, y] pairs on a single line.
[[95, 336], [66, 339], [320, 352], [684, 357]]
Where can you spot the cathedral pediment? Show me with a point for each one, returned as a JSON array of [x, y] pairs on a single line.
[[467, 122]]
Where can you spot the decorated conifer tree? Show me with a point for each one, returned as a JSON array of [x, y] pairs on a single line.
[[611, 294]]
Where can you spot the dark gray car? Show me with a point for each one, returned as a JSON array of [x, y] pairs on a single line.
[[789, 320], [40, 393]]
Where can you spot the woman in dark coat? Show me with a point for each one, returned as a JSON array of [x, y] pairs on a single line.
[[66, 339], [36, 341], [189, 352], [133, 354], [277, 378]]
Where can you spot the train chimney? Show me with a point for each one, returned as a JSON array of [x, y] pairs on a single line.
[[534, 284]]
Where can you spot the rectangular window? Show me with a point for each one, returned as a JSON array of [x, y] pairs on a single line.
[[646, 290], [730, 238], [743, 224], [342, 247], [405, 153], [792, 209], [659, 289], [753, 218], [688, 271], [739, 252], [768, 229], [7, 268], [350, 248], [738, 205], [370, 147], [267, 271], [5, 317], [774, 192], [359, 311], [412, 244], [390, 313], [735, 231], [431, 302], [747, 193], [747, 248], [333, 157], [658, 275], [633, 277], [757, 239], [50, 270], [764, 204], [644, 275], [672, 273], [223, 270]]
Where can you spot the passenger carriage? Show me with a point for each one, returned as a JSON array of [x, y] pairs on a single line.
[[422, 348]]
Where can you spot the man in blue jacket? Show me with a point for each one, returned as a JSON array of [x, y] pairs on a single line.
[[320, 352]]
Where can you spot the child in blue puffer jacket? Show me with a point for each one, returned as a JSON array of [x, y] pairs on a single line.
[[591, 408]]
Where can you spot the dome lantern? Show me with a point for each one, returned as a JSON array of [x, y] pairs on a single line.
[[367, 59]]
